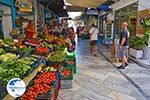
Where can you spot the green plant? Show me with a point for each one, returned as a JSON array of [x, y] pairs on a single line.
[[139, 43]]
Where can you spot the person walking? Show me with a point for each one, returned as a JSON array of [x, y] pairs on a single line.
[[93, 39], [124, 44]]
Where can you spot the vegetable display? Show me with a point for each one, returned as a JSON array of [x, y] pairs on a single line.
[[2, 51], [45, 77], [57, 56], [9, 42], [41, 85], [66, 73], [7, 57], [14, 68], [36, 89]]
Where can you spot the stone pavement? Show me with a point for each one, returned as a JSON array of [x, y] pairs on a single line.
[[97, 79], [139, 76]]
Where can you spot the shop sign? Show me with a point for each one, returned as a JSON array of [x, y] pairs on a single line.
[[92, 12], [24, 5]]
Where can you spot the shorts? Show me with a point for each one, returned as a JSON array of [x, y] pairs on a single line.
[[124, 52], [94, 42]]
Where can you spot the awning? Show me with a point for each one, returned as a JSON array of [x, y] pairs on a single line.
[[86, 3], [56, 6]]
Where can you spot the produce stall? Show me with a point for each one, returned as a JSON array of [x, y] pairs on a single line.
[[45, 64]]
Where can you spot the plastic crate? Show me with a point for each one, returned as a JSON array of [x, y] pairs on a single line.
[[71, 57], [66, 84], [74, 68], [69, 77]]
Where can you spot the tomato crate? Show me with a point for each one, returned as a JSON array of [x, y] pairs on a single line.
[[66, 73], [74, 68]]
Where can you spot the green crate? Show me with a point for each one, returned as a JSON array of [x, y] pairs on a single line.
[[71, 56], [70, 77], [74, 69]]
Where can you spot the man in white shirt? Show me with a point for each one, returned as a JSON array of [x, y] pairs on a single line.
[[94, 38]]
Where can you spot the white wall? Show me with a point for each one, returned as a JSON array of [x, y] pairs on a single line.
[[6, 21], [143, 4]]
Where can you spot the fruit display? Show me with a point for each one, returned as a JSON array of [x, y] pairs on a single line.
[[8, 57], [60, 41], [50, 64], [41, 85], [41, 50], [59, 47], [66, 72], [46, 45], [57, 56], [49, 38], [34, 41], [45, 78], [35, 90]]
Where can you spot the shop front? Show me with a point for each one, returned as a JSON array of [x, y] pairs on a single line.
[[128, 14]]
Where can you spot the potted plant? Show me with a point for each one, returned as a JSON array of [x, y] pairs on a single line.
[[136, 47], [137, 44]]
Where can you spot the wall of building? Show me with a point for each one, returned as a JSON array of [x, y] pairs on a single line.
[[11, 4], [9, 17]]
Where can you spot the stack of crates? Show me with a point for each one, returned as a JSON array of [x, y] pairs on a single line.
[[66, 82], [71, 61]]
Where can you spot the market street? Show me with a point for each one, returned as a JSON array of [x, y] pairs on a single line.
[[97, 79]]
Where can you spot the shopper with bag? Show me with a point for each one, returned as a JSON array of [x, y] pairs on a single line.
[[93, 39]]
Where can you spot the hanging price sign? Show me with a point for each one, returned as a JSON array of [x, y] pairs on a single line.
[[24, 5]]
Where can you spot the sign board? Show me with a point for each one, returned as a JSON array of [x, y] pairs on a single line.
[[24, 5], [92, 12]]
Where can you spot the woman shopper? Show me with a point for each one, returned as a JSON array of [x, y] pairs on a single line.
[[93, 39]]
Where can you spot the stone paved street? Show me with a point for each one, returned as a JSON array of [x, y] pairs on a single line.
[[97, 79], [139, 75]]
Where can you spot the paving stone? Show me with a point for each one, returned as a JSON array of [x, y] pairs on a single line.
[[73, 96], [120, 96], [95, 75], [115, 87], [84, 98], [92, 95], [137, 95]]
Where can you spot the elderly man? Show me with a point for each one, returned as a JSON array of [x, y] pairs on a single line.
[[124, 44]]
